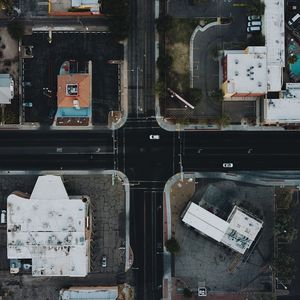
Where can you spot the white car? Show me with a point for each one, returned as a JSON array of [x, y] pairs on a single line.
[[254, 18], [227, 165], [103, 261], [154, 137]]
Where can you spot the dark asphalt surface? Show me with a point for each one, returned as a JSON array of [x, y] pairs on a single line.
[[142, 159], [42, 70]]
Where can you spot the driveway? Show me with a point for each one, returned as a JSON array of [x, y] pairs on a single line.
[[210, 8], [206, 69]]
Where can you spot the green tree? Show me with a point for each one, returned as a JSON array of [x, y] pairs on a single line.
[[292, 59], [285, 266], [214, 52], [16, 30], [223, 121], [160, 89], [164, 23], [172, 245], [164, 62], [187, 293], [284, 198], [256, 40], [216, 95], [7, 5], [117, 12], [256, 7], [194, 96]]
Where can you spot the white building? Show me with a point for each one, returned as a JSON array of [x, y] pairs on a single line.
[[50, 228], [286, 108], [89, 293], [6, 88], [238, 232], [244, 73]]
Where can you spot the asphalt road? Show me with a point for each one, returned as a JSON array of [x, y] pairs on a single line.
[[146, 242], [143, 159], [148, 164]]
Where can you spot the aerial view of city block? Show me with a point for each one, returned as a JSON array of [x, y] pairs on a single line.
[[149, 149]]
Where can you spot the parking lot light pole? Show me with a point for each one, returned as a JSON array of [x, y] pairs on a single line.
[[173, 94]]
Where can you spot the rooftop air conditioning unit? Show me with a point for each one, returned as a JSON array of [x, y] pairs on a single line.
[[236, 61], [236, 73], [76, 104]]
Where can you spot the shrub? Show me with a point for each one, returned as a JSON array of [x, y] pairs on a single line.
[[187, 292], [172, 246], [16, 30]]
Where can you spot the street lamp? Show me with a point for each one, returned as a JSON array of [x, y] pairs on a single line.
[[187, 104]]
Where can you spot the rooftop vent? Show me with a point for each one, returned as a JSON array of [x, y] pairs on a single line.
[[259, 65], [236, 61], [72, 89], [259, 83], [236, 73]]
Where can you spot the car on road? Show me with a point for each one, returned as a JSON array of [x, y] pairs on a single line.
[[27, 104], [154, 137], [227, 165], [103, 261], [254, 18]]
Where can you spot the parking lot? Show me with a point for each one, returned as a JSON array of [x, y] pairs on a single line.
[[204, 260], [40, 72], [206, 69], [108, 209]]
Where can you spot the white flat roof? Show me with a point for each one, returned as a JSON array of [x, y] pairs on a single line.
[[282, 110], [6, 88], [89, 293], [50, 230], [274, 37], [242, 230], [238, 232], [247, 72], [205, 222]]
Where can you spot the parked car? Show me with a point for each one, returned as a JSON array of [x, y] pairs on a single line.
[[154, 137], [103, 261], [254, 29], [254, 18], [228, 165], [254, 23]]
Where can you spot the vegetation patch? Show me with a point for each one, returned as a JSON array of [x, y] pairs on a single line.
[[173, 62], [117, 13]]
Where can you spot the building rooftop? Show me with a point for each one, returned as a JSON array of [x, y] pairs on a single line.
[[205, 221], [242, 230], [285, 109], [89, 293], [74, 89], [247, 72], [275, 42], [238, 232], [6, 88], [49, 228]]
